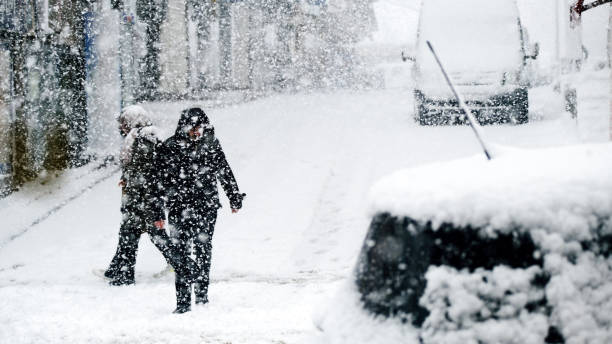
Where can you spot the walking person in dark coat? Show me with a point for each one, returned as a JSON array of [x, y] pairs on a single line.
[[193, 162], [142, 205]]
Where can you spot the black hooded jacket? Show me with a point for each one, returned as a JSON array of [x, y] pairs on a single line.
[[192, 167], [142, 192]]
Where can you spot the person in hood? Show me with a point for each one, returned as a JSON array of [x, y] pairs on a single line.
[[142, 205], [193, 163]]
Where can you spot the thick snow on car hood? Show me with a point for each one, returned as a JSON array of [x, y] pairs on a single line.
[[561, 190], [562, 197]]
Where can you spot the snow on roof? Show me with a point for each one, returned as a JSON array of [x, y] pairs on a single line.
[[564, 190], [479, 35]]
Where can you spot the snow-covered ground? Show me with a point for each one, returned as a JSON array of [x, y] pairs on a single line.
[[306, 162]]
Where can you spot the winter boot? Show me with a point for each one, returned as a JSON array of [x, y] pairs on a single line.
[[180, 309], [110, 274], [201, 300], [183, 294], [123, 278], [120, 281], [201, 292]]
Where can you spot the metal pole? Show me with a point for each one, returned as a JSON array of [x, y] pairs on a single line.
[[475, 126], [225, 41], [190, 83], [13, 116], [126, 58], [12, 87], [557, 33]]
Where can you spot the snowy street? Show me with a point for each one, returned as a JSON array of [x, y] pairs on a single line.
[[306, 162]]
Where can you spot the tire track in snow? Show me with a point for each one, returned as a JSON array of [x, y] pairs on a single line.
[[302, 278], [305, 278], [336, 211]]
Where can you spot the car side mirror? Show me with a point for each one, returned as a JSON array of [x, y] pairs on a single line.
[[535, 51], [407, 57]]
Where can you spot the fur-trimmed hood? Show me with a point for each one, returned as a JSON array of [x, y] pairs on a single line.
[[137, 120], [134, 116]]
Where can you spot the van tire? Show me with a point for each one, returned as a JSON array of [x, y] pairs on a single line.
[[520, 113], [422, 117], [420, 111]]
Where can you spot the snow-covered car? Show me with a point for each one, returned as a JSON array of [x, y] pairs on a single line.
[[487, 53], [513, 250]]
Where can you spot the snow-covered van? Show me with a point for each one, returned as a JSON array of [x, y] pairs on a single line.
[[513, 250], [487, 53]]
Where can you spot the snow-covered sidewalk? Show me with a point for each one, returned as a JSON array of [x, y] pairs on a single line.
[[306, 163], [38, 200]]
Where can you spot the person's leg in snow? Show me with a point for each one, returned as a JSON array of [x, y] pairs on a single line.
[[197, 228], [183, 264], [115, 265], [182, 283], [203, 250], [125, 258], [124, 262]]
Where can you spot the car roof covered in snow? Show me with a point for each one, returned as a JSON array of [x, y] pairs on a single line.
[[566, 190]]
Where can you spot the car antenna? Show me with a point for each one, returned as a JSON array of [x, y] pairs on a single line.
[[471, 119]]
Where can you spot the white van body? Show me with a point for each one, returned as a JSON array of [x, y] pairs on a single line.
[[484, 49]]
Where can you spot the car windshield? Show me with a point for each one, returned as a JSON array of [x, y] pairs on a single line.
[[470, 35]]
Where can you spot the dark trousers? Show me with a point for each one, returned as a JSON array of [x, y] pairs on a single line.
[[121, 268], [194, 228]]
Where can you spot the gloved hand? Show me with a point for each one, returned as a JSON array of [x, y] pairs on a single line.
[[236, 200]]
